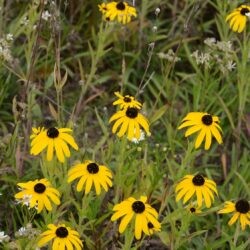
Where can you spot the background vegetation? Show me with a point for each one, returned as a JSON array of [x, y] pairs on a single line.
[[63, 71]]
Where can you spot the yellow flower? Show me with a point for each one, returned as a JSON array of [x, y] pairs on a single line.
[[130, 121], [143, 213], [126, 101], [238, 18], [193, 210], [64, 238], [90, 173], [103, 8], [152, 229], [120, 10], [206, 124], [241, 211], [191, 185], [38, 194], [55, 139], [36, 132]]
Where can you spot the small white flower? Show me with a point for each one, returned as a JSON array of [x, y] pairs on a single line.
[[141, 138], [231, 65], [46, 15], [211, 41], [157, 11], [170, 56], [9, 37], [21, 232], [25, 21], [201, 58], [247, 14], [26, 200], [3, 237], [154, 29]]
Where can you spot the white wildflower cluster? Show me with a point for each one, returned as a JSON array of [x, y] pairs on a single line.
[[46, 15], [141, 138], [27, 231], [201, 58], [25, 200], [217, 53], [170, 56], [3, 237], [25, 21], [5, 53]]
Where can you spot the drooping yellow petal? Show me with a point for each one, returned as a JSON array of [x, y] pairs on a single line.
[[124, 222], [234, 218], [200, 138], [208, 139], [199, 196]]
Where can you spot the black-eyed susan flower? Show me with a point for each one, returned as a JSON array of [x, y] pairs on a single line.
[[64, 238], [91, 173], [140, 211], [38, 194], [129, 120], [206, 124], [196, 185], [120, 11], [238, 18], [241, 210], [152, 229], [53, 139], [193, 209], [126, 101]]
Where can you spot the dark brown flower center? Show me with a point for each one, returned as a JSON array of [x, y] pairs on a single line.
[[242, 206], [52, 132], [39, 188], [207, 119], [192, 210], [132, 113], [93, 168], [127, 99], [244, 11], [138, 207], [62, 232], [150, 225], [198, 180], [120, 6]]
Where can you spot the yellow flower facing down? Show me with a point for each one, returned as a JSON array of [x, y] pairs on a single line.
[[90, 173], [205, 124], [54, 139], [144, 215], [64, 238], [38, 194], [129, 120], [241, 210], [196, 185], [238, 18], [126, 101], [120, 11]]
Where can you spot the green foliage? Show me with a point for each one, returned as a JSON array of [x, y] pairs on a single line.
[[64, 71]]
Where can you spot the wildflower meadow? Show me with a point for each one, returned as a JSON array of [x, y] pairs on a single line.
[[124, 125]]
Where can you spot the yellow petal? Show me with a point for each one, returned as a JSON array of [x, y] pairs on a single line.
[[234, 218], [199, 196], [124, 222], [200, 138], [208, 139]]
